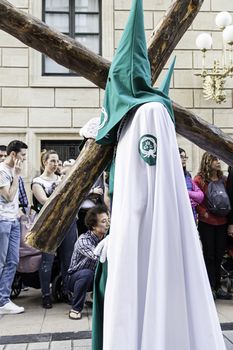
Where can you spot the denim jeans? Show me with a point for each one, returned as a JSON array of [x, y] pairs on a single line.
[[65, 252], [9, 257], [80, 282], [45, 272]]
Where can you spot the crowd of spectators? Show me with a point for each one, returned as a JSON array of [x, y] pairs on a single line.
[[77, 253], [14, 206]]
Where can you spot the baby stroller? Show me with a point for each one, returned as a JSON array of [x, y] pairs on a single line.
[[227, 266], [27, 273]]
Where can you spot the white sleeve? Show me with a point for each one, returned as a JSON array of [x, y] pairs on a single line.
[[5, 179]]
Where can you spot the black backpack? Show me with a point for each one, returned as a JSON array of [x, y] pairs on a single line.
[[218, 202]]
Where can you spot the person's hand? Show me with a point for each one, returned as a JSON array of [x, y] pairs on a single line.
[[101, 249], [230, 230], [206, 215], [193, 203], [54, 186], [98, 190], [17, 166]]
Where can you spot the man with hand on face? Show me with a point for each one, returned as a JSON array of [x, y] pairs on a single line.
[[10, 171], [22, 192]]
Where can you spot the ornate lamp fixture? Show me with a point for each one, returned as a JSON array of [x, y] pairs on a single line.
[[214, 79]]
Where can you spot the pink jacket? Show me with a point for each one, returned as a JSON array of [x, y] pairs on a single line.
[[196, 195]]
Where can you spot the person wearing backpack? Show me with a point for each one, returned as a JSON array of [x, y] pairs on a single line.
[[212, 215]]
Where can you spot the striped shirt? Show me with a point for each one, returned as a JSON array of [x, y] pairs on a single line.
[[23, 199], [83, 256]]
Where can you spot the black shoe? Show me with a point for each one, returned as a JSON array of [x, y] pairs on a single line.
[[47, 302], [221, 294]]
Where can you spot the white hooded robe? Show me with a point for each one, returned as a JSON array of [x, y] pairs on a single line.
[[157, 294]]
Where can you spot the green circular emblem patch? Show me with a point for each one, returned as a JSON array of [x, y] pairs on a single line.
[[147, 147]]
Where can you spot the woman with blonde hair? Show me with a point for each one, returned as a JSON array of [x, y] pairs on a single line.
[[212, 225], [42, 187]]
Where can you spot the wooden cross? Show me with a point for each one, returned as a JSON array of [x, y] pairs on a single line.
[[57, 214]]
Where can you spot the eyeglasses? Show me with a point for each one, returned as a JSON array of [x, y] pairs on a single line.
[[184, 157]]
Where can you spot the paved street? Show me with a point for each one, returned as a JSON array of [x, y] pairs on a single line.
[[40, 329], [37, 320], [54, 345]]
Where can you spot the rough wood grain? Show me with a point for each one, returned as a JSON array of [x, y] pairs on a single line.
[[205, 135]]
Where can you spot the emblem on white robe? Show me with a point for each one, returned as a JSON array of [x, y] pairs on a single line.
[[147, 147]]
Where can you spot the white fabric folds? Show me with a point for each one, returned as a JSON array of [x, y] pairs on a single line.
[[157, 294]]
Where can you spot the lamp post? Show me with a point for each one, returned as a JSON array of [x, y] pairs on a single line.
[[214, 79]]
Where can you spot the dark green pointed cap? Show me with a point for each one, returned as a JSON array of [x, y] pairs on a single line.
[[164, 87], [129, 78]]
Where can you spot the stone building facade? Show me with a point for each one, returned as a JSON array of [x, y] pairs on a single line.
[[37, 108]]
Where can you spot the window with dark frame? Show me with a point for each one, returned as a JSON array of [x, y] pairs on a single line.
[[79, 19], [66, 149]]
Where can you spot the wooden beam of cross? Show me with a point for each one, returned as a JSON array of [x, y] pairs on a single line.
[[56, 215]]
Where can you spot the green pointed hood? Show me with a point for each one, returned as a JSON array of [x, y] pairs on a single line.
[[164, 87], [129, 78]]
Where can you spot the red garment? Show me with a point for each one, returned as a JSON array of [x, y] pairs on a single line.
[[202, 209]]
